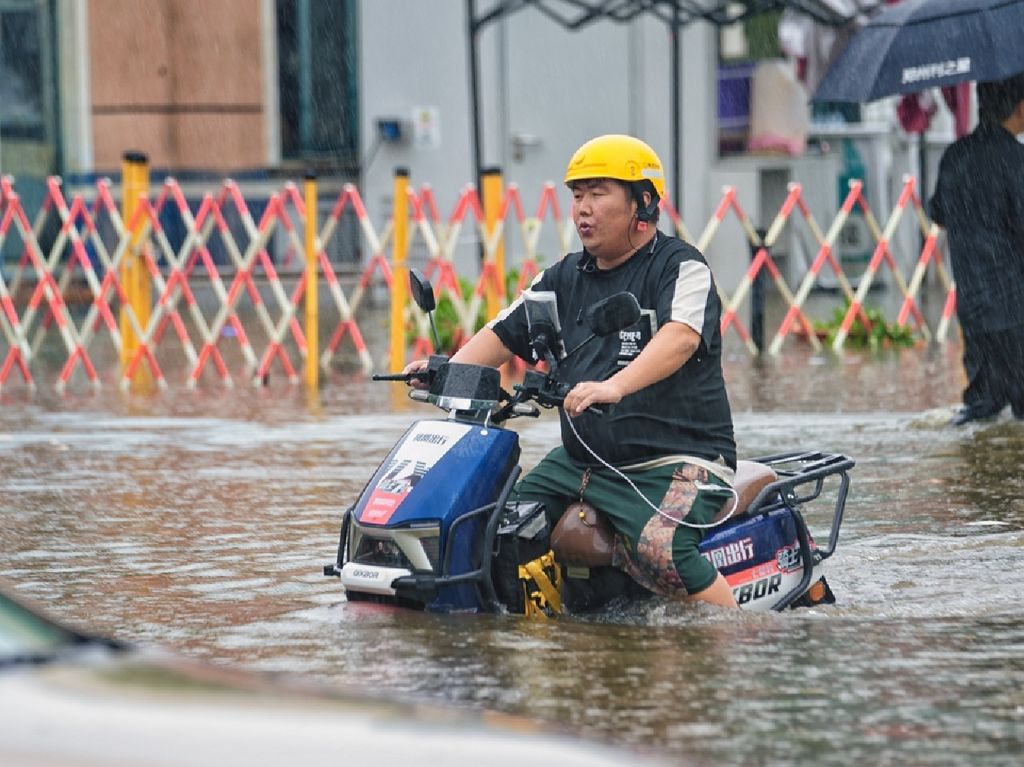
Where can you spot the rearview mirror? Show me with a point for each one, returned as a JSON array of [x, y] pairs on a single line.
[[543, 327], [423, 294], [612, 314], [422, 291]]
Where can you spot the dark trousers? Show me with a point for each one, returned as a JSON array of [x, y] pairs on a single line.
[[653, 548], [994, 362]]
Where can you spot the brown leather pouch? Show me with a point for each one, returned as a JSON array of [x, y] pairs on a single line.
[[583, 537]]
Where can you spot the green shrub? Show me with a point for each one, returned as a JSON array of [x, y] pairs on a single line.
[[882, 334]]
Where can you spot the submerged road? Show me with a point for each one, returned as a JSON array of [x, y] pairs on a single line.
[[200, 521]]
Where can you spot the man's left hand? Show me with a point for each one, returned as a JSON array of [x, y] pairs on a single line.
[[587, 393]]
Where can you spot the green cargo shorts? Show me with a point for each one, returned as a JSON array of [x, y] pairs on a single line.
[[653, 548]]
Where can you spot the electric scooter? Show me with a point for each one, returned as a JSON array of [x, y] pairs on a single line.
[[437, 527]]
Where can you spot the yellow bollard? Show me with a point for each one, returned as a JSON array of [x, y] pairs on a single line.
[[312, 286], [135, 278], [493, 192], [399, 267]]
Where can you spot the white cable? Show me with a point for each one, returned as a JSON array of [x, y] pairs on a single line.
[[704, 487]]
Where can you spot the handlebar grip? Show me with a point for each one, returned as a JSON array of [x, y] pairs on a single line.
[[526, 410], [393, 377]]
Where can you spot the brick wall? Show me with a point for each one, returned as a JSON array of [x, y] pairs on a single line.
[[181, 80]]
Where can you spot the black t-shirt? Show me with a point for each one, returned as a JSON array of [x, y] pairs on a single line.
[[979, 198], [686, 413]]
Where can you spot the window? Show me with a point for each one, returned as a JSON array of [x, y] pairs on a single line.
[[24, 71], [317, 80], [763, 94], [741, 47]]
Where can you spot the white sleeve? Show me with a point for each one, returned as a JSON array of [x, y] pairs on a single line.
[[692, 294]]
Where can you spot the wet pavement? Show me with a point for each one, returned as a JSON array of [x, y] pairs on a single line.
[[200, 521]]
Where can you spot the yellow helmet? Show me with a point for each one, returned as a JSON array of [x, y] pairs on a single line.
[[617, 156]]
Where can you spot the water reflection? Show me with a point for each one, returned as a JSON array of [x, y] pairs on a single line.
[[200, 520]]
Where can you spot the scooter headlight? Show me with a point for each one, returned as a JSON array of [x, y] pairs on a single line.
[[414, 548], [380, 551]]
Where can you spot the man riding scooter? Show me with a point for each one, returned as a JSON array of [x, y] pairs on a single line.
[[658, 458]]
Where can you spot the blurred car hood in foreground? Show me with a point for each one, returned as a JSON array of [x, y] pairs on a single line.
[[68, 699]]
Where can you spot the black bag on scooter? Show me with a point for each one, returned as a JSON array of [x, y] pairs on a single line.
[[527, 580]]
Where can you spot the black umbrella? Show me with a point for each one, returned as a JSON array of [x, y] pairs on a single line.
[[919, 44]]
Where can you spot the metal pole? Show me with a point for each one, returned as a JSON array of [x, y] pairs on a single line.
[[304, 35], [135, 280], [493, 191], [922, 191], [312, 286], [129, 198], [757, 299], [677, 147], [399, 266], [474, 86], [922, 162]]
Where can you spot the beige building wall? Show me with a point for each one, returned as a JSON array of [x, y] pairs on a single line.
[[181, 80]]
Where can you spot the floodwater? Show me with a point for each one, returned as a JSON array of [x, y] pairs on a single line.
[[201, 520]]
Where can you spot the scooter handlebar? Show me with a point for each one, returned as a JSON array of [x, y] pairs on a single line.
[[425, 373], [563, 389], [548, 393]]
